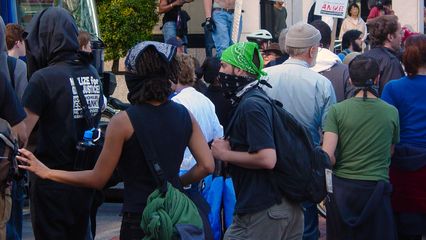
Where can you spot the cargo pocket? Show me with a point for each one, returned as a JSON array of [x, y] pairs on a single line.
[[5, 208], [278, 214]]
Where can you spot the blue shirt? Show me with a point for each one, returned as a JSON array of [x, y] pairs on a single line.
[[408, 96], [306, 94], [343, 54]]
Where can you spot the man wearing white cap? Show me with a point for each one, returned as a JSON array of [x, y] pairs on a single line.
[[307, 95]]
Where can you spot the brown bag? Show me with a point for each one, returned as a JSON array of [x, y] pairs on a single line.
[[8, 152]]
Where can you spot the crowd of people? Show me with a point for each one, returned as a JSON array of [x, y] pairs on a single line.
[[365, 108]]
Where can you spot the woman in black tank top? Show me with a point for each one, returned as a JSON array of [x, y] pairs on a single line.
[[151, 67]]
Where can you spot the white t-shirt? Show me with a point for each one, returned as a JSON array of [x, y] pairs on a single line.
[[203, 111]]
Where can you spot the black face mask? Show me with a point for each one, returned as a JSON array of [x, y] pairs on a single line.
[[232, 84]]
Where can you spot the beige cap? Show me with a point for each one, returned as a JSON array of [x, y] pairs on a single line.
[[302, 35]]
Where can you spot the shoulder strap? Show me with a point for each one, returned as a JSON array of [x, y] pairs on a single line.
[[148, 150], [11, 64], [83, 103]]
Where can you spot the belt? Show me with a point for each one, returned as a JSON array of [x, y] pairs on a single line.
[[228, 10]]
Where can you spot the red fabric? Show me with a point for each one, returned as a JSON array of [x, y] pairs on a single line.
[[409, 190], [374, 12], [406, 33]]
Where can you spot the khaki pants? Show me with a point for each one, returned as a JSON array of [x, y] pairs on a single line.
[[5, 207], [282, 221]]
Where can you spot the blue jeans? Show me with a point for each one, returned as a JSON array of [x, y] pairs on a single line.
[[311, 231], [169, 31], [223, 33], [14, 225]]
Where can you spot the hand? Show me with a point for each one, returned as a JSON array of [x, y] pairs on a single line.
[[29, 162], [209, 24], [219, 148]]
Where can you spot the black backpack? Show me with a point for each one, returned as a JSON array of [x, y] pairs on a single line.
[[299, 173], [8, 152]]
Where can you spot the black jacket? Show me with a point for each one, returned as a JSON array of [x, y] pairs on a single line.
[[389, 64]]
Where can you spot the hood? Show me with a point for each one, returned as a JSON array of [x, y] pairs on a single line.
[[52, 37], [325, 60], [3, 50]]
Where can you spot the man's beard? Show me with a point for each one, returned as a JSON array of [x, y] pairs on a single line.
[[356, 47]]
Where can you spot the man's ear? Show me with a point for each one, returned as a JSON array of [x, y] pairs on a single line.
[[312, 52], [238, 72], [390, 37]]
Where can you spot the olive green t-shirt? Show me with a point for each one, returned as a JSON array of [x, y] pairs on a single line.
[[366, 130]]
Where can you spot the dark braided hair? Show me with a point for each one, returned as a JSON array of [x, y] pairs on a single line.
[[150, 62], [153, 77]]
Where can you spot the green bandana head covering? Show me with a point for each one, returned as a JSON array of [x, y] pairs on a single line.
[[240, 55]]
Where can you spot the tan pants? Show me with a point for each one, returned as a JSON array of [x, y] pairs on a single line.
[[5, 207], [281, 221]]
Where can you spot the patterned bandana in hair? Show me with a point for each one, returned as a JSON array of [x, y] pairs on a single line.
[[240, 55], [166, 51]]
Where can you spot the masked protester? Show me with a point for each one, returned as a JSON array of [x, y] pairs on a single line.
[[151, 68], [261, 212], [56, 70]]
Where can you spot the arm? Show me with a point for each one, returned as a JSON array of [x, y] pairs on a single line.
[[329, 145], [202, 154], [30, 121], [164, 7], [328, 101], [342, 29], [119, 130], [208, 5], [21, 80], [262, 159], [20, 131]]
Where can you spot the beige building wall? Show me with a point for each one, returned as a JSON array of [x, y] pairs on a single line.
[[409, 12]]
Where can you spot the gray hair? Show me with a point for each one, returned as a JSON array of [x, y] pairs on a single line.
[[292, 51], [281, 40]]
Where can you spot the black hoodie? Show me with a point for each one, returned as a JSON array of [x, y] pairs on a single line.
[[54, 64], [52, 37]]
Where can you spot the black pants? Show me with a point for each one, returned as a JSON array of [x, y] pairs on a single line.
[[130, 227], [59, 211]]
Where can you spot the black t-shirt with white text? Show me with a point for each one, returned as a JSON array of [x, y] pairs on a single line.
[[251, 132], [52, 96]]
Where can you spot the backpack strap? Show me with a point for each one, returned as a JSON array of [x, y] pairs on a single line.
[[83, 103], [86, 112], [11, 64], [148, 150]]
